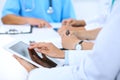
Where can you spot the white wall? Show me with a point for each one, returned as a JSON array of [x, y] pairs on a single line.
[[83, 8], [1, 7]]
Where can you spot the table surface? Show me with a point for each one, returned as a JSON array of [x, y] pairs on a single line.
[[37, 35]]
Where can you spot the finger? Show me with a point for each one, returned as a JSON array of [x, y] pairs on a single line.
[[63, 33], [40, 46], [63, 36], [28, 66], [69, 22], [48, 25], [33, 45], [16, 57], [39, 26], [64, 22], [20, 60], [71, 33], [43, 51], [73, 23], [42, 25]]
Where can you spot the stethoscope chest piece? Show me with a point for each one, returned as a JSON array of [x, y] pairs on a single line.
[[50, 10]]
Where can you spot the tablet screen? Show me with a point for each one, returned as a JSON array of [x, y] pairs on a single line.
[[21, 48]]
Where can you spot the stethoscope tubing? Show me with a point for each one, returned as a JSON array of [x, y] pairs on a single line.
[[50, 8]]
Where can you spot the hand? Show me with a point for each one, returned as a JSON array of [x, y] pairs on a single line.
[[74, 23], [25, 64], [38, 22], [43, 61], [47, 49], [67, 21], [69, 42], [64, 28], [80, 34]]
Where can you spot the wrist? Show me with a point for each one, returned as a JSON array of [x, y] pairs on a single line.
[[88, 35], [66, 63], [27, 20], [62, 54]]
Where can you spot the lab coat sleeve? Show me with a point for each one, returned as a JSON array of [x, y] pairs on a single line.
[[11, 7], [59, 73], [74, 56], [62, 73]]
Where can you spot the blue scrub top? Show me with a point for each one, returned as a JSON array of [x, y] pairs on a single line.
[[63, 9]]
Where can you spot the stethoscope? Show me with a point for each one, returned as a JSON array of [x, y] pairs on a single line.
[[49, 11]]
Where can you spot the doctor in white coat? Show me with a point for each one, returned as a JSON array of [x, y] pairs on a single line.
[[101, 64]]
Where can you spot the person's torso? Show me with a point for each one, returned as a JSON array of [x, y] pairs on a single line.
[[38, 9]]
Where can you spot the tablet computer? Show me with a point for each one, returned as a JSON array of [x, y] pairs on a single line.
[[20, 49]]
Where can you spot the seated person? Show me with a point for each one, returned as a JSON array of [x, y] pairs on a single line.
[[37, 12], [77, 28]]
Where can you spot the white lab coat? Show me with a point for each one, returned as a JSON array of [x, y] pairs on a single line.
[[102, 64], [98, 20]]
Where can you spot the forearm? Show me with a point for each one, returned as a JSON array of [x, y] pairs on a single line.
[[78, 23], [81, 34], [13, 19], [88, 34]]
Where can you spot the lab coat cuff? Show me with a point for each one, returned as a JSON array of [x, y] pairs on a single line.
[[66, 63], [75, 56]]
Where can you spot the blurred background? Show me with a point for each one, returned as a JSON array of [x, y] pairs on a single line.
[[84, 9]]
